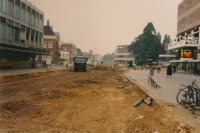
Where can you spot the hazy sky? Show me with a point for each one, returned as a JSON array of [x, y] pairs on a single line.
[[108, 23]]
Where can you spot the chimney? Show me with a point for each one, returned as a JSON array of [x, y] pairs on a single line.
[[48, 22]]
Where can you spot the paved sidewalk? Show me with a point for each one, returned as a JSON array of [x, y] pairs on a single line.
[[169, 86], [29, 70]]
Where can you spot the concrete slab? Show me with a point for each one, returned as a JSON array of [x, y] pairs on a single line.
[[169, 86]]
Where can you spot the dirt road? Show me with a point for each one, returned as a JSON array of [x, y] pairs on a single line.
[[67, 101]]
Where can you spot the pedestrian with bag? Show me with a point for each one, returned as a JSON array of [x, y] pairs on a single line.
[[169, 70]]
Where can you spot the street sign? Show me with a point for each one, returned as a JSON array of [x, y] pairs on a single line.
[[48, 61]]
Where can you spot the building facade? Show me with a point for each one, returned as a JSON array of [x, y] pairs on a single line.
[[186, 43], [64, 54], [73, 52], [51, 44], [122, 55], [21, 33]]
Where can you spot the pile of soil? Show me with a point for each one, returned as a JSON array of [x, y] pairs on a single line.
[[101, 67], [82, 102]]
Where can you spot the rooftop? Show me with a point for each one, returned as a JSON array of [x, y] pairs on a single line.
[[48, 30]]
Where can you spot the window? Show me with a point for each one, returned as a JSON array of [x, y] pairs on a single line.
[[28, 33], [23, 6], [36, 57], [32, 35], [10, 31], [33, 17], [3, 20], [23, 15], [63, 55], [43, 56], [66, 55], [23, 27], [44, 44], [3, 29], [17, 2], [28, 18], [50, 44], [23, 34], [28, 9], [36, 22], [40, 37], [40, 24], [17, 11], [3, 5], [41, 17], [17, 32], [10, 8], [36, 37]]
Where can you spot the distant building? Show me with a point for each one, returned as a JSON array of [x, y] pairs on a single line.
[[51, 43], [122, 55], [21, 33], [64, 54], [73, 52]]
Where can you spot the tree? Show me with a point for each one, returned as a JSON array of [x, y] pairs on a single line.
[[134, 48], [166, 39], [108, 57], [148, 43]]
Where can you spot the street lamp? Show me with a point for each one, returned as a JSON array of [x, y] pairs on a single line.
[[146, 61]]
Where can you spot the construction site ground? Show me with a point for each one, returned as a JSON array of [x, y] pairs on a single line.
[[81, 102]]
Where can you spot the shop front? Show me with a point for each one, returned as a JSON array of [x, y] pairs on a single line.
[[15, 59], [186, 61]]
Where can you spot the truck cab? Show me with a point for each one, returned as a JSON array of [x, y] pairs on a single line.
[[80, 63]]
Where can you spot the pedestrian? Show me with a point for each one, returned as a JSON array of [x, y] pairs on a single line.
[[174, 68], [44, 64], [67, 64], [169, 70], [114, 67], [158, 68]]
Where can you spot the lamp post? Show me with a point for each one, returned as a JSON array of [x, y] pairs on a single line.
[[146, 61]]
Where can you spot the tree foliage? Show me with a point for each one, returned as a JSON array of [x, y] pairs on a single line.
[[108, 57], [148, 43], [166, 39], [134, 48]]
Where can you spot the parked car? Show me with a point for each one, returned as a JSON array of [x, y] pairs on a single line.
[[162, 65]]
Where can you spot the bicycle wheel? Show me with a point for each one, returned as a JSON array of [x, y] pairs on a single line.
[[182, 95]]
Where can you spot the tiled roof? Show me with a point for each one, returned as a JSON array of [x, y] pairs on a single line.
[[48, 30]]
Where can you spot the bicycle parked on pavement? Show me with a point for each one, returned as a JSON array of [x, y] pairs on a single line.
[[190, 93]]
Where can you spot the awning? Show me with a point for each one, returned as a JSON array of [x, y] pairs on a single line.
[[183, 61], [165, 55]]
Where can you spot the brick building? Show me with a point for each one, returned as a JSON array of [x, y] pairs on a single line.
[[51, 43]]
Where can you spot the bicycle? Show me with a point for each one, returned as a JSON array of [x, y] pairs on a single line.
[[190, 93]]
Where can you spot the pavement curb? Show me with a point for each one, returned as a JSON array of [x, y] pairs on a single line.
[[143, 89]]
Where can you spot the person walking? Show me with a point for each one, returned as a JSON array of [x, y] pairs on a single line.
[[158, 68], [174, 68], [169, 70], [114, 67]]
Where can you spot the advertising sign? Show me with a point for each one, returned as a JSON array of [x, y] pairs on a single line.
[[186, 53]]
